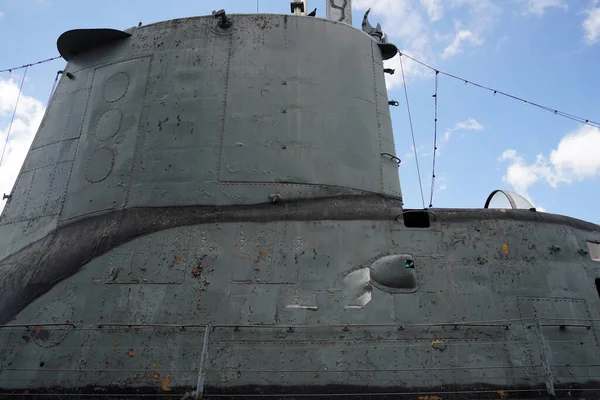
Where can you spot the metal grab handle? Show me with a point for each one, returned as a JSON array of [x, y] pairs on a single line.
[[393, 157]]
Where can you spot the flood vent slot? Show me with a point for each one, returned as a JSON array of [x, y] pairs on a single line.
[[598, 286], [594, 250], [416, 219]]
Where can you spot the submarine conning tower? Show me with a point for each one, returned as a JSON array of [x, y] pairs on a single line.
[[211, 207], [200, 112]]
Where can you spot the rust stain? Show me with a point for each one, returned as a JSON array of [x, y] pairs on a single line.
[[156, 377], [484, 374], [106, 362], [196, 271], [165, 383], [501, 394], [116, 344], [262, 255], [198, 304], [436, 341], [38, 328], [131, 352], [153, 364], [429, 398], [505, 248], [177, 259]]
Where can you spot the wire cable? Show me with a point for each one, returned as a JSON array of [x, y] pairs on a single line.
[[554, 111], [435, 107], [29, 65], [53, 87], [412, 132], [13, 117]]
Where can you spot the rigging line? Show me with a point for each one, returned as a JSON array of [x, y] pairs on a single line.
[[13, 117], [53, 87], [554, 111], [435, 107], [29, 65], [412, 132]]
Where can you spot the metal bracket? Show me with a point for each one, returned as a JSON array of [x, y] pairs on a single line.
[[393, 103], [298, 4], [389, 71], [6, 196], [224, 22]]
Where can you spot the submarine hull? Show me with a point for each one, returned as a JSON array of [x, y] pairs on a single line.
[[216, 211]]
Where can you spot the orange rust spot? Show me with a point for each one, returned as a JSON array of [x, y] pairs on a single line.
[[153, 364], [106, 362], [569, 393], [501, 394], [165, 383], [196, 271], [262, 255], [484, 374], [505, 248], [429, 398], [177, 259], [198, 304], [116, 344], [156, 377], [131, 352], [38, 328]]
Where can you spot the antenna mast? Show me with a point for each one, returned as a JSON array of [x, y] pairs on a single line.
[[340, 10]]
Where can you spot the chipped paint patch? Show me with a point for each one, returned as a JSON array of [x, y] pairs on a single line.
[[505, 248], [165, 383]]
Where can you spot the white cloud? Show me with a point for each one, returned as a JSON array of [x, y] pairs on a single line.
[[462, 37], [27, 120], [577, 157], [591, 26], [539, 6], [468, 125], [434, 8]]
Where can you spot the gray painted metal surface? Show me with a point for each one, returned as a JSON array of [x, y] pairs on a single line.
[[214, 211]]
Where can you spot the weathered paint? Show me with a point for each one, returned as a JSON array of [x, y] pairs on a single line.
[[144, 220]]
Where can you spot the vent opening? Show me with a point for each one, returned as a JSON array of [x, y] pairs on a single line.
[[416, 219], [594, 250], [598, 286]]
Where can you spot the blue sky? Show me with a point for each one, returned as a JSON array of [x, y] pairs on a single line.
[[547, 51]]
